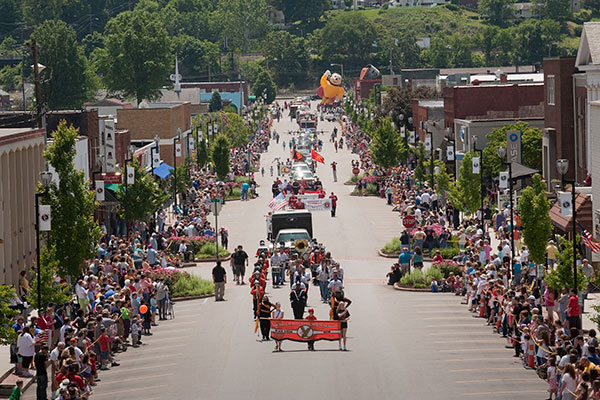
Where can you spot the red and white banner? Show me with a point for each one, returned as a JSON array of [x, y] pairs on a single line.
[[317, 204], [300, 330]]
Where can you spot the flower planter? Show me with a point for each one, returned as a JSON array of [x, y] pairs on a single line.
[[399, 286]]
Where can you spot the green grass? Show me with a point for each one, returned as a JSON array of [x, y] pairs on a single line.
[[426, 21], [241, 179], [192, 286], [236, 194], [393, 247], [418, 279]]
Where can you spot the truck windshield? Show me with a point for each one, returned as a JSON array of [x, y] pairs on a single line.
[[292, 236]]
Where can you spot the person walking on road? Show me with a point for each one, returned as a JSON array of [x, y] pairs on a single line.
[[333, 199], [219, 279], [240, 262], [334, 170], [298, 299], [264, 314]]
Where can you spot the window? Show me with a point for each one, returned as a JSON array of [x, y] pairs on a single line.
[[550, 89]]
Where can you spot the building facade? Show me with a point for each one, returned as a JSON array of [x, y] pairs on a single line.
[[21, 162]]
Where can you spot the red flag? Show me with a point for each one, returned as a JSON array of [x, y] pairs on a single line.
[[317, 157], [298, 156]]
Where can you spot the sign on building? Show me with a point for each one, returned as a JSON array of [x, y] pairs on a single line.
[[110, 157], [513, 146]]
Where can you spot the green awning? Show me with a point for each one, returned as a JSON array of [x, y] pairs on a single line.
[[115, 187], [251, 98]]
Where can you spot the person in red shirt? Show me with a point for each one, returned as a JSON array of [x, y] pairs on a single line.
[[104, 343], [333, 199], [311, 317], [573, 310]]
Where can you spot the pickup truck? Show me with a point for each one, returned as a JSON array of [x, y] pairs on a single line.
[[290, 226]]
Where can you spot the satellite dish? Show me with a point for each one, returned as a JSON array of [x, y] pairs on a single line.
[[143, 104]]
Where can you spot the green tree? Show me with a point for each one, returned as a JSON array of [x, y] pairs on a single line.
[[52, 291], [386, 146], [74, 232], [197, 56], [534, 209], [306, 10], [68, 80], [592, 5], [238, 131], [243, 20], [10, 77], [136, 59], [469, 185], [220, 155], [556, 10], [216, 104], [287, 56], [347, 37], [10, 15], [184, 181], [7, 333], [562, 275], [531, 145], [144, 196], [499, 12], [420, 167], [398, 102], [264, 82], [202, 153]]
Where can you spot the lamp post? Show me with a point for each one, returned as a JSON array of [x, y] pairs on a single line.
[[175, 140], [430, 134], [562, 166], [481, 188], [502, 153], [46, 179], [128, 159]]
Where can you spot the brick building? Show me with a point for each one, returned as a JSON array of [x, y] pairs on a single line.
[[157, 119], [504, 103]]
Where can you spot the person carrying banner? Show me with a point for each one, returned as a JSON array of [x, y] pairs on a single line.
[[264, 315], [298, 299], [277, 314], [342, 315], [311, 317], [334, 200]]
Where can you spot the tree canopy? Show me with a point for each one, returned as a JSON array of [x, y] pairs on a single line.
[[264, 84]]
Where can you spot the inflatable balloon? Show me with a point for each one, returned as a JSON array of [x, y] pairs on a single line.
[[331, 87], [369, 72], [143, 309]]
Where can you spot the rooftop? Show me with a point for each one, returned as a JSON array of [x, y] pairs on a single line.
[[431, 103]]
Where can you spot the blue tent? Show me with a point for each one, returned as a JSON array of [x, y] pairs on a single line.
[[163, 170]]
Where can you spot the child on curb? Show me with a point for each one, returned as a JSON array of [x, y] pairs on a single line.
[[153, 308], [16, 393], [135, 331], [552, 378], [104, 342], [311, 317]]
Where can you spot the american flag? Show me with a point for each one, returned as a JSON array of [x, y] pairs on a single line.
[[225, 118], [588, 240], [278, 202]]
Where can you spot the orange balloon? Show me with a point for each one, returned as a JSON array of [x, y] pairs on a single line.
[[143, 309]]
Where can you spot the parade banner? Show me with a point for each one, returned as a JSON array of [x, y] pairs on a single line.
[[303, 197], [299, 330], [317, 204]]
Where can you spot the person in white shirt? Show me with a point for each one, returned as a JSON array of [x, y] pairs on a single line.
[[26, 349]]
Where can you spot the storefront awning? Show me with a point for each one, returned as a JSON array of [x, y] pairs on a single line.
[[163, 171]]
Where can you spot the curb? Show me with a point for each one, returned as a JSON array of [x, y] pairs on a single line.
[[387, 255], [409, 289], [211, 259], [186, 298]]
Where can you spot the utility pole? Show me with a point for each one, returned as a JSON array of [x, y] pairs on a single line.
[[34, 49]]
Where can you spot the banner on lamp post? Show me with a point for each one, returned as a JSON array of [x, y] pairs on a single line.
[[428, 143], [503, 180], [130, 175], [177, 149], [450, 153], [191, 143], [45, 218], [99, 190], [402, 131], [566, 207], [476, 166]]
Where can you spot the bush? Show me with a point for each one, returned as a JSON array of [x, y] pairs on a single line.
[[372, 188], [433, 272], [208, 250], [190, 285], [414, 277], [355, 178], [393, 247], [446, 267], [241, 179], [449, 253]]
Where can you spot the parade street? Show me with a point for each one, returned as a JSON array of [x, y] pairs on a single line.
[[405, 345]]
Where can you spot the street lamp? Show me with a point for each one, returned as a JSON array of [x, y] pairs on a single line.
[[128, 159], [501, 150], [562, 166], [430, 134], [481, 188], [45, 179], [175, 140]]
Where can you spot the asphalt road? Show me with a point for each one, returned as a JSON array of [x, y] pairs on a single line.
[[401, 345]]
